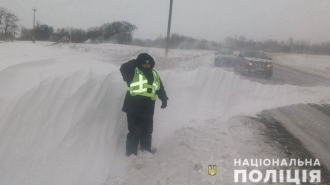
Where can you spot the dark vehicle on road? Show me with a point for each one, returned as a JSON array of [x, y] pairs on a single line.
[[224, 57], [248, 62]]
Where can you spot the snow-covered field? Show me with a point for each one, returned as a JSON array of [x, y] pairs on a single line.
[[61, 121]]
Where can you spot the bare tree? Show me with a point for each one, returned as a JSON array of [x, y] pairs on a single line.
[[13, 30], [8, 23], [25, 33], [2, 13], [120, 32]]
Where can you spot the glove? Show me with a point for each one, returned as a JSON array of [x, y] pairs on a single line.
[[164, 104]]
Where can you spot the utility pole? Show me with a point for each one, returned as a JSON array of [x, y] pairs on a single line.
[[102, 29], [34, 20], [169, 29]]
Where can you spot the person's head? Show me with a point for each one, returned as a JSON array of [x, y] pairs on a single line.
[[146, 61], [146, 65]]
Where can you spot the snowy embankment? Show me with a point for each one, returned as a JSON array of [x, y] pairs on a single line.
[[61, 120]]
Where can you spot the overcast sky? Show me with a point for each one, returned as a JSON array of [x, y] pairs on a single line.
[[203, 19]]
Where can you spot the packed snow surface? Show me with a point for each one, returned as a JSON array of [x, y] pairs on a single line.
[[315, 64], [61, 121]]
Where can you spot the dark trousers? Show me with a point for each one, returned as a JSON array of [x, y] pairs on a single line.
[[140, 131]]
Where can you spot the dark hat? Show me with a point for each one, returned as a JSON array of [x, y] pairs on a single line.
[[145, 58]]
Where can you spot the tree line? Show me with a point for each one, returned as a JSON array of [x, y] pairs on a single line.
[[290, 45], [177, 41], [121, 32], [273, 46]]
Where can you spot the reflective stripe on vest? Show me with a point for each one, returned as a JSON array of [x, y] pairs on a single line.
[[139, 85]]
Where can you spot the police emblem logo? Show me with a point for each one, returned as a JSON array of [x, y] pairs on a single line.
[[147, 61], [212, 170]]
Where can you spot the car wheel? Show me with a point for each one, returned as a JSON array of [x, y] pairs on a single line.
[[246, 72], [236, 67], [269, 74]]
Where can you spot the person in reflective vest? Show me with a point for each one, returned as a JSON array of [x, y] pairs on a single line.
[[143, 86]]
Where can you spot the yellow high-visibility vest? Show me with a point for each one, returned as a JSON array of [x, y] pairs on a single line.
[[139, 85]]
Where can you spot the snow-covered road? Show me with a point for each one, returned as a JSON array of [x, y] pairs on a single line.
[[309, 125], [303, 131], [286, 73]]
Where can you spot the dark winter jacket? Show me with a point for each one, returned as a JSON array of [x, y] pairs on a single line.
[[140, 105]]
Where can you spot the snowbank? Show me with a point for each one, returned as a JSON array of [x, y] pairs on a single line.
[[61, 120]]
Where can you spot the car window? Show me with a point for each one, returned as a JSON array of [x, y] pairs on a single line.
[[255, 54], [225, 52]]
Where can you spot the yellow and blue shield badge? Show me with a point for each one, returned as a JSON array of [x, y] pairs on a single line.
[[212, 170]]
